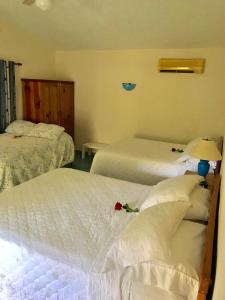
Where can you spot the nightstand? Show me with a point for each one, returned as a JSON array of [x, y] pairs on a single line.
[[209, 178], [92, 146]]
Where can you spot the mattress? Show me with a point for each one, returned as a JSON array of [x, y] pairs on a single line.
[[139, 160], [22, 158], [53, 240]]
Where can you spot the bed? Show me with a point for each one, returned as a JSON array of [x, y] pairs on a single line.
[[59, 234], [24, 155], [144, 161]]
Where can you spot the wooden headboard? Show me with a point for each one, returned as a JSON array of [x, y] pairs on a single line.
[[220, 148], [49, 101], [206, 275]]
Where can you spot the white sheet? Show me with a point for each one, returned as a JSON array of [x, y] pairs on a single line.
[[54, 237], [141, 161], [24, 157]]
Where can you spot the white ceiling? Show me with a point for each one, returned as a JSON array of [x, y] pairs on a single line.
[[122, 24]]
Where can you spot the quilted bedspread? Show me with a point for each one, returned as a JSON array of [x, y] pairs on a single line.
[[22, 158], [55, 231], [139, 160]]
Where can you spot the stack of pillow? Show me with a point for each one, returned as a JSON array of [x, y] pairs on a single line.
[[186, 188], [146, 243], [40, 130]]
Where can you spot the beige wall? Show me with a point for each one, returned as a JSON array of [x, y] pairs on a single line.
[[169, 106], [38, 60]]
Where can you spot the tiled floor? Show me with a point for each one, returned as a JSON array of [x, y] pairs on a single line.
[[82, 164]]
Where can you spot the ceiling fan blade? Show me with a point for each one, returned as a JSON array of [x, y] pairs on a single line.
[[28, 2]]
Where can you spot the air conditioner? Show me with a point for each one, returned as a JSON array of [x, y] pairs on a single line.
[[181, 65]]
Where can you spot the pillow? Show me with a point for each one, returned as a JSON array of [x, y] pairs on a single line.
[[20, 127], [199, 209], [147, 237], [192, 165], [48, 131], [172, 189], [180, 275], [142, 291]]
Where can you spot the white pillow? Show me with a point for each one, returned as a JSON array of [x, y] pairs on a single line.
[[143, 291], [192, 165], [199, 209], [147, 237], [20, 127], [48, 131], [172, 189], [183, 158], [180, 275]]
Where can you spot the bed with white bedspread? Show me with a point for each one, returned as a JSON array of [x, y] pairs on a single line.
[[61, 238], [143, 161], [25, 157]]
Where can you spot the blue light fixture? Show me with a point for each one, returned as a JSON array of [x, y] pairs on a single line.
[[128, 86]]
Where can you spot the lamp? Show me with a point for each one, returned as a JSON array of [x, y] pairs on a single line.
[[205, 150], [43, 4], [128, 86]]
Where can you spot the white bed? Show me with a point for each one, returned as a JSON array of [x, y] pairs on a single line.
[[142, 161], [25, 157], [56, 231]]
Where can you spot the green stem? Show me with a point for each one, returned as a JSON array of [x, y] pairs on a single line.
[[129, 209]]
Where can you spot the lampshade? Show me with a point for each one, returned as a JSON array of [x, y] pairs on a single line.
[[43, 4], [206, 150]]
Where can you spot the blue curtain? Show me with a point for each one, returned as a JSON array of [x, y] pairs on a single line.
[[7, 94]]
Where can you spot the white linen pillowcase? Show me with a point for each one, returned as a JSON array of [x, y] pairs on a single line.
[[192, 164], [20, 127], [47, 131], [147, 237], [180, 275], [172, 189], [199, 209]]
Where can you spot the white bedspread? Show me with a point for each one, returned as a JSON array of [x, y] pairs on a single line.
[[139, 160], [54, 237], [24, 157], [60, 233]]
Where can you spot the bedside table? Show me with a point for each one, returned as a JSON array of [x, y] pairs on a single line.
[[92, 146], [209, 178]]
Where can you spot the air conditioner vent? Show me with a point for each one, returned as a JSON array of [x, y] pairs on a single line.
[[181, 65]]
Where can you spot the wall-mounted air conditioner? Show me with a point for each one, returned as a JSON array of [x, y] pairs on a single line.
[[181, 65]]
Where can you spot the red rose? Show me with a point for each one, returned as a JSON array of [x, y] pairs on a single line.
[[118, 206]]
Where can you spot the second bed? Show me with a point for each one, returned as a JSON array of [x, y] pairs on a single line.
[[143, 161]]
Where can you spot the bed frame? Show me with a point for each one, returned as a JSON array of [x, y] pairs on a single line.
[[220, 148], [208, 265]]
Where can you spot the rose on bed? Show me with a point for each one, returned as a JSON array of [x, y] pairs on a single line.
[[177, 150], [120, 206]]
